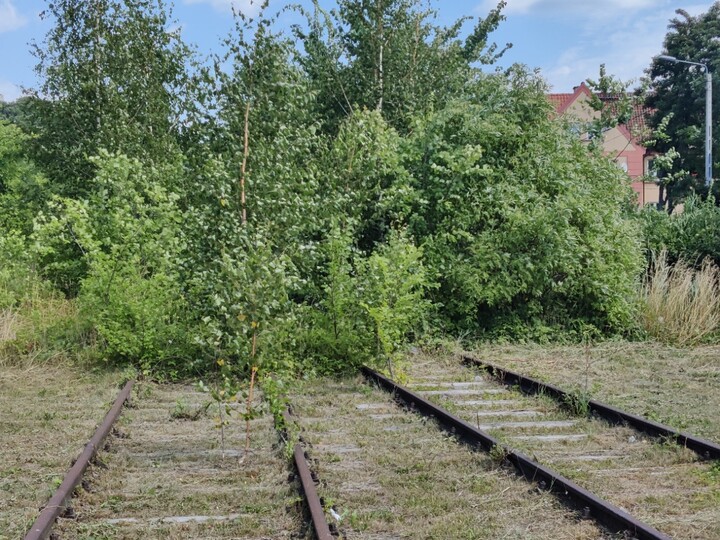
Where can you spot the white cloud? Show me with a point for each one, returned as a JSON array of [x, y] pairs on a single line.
[[9, 91], [248, 7], [575, 8], [10, 19], [625, 46], [582, 8]]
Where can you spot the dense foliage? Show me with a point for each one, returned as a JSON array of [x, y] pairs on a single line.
[[304, 204], [113, 77], [510, 207], [691, 236]]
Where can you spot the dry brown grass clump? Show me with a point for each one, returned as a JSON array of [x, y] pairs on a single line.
[[8, 325], [681, 305]]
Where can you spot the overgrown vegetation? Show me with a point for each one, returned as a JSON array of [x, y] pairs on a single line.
[[304, 202], [690, 235], [681, 304]]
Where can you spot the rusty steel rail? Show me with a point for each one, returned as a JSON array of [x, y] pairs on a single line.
[[704, 448], [317, 513], [61, 499], [594, 507]]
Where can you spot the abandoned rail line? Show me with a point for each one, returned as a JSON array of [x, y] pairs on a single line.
[[367, 468]]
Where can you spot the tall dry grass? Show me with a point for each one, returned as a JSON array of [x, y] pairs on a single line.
[[681, 304], [43, 327], [8, 325]]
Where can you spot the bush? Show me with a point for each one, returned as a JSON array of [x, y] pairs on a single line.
[[336, 336], [372, 305], [117, 250], [140, 317], [22, 187], [524, 229], [393, 282], [244, 303], [36, 322], [691, 236]]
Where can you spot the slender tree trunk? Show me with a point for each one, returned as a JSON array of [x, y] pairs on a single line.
[[243, 169], [381, 82], [249, 403], [96, 61], [381, 53]]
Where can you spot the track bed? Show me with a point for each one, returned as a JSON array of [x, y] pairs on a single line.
[[389, 473]]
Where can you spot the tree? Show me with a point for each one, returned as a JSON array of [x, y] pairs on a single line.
[[21, 184], [677, 93], [112, 75], [387, 55], [612, 103], [252, 216], [17, 111]]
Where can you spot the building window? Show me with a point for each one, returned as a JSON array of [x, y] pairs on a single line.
[[650, 167]]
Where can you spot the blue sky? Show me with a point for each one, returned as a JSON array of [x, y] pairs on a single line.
[[566, 39]]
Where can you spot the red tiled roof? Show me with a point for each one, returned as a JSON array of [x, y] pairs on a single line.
[[563, 101], [559, 101], [636, 126], [638, 120]]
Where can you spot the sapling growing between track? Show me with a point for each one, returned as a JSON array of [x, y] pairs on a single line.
[[395, 281]]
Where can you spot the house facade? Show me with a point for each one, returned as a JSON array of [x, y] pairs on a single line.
[[621, 143]]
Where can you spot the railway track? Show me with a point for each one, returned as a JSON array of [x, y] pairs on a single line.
[[166, 476], [60, 503], [669, 490], [369, 469], [388, 473]]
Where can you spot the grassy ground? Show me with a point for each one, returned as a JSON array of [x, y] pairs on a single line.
[[47, 414], [678, 387], [166, 477], [387, 476]]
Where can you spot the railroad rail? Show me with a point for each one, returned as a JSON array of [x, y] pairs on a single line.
[[704, 448], [388, 473], [592, 506], [154, 455], [59, 502], [312, 500]]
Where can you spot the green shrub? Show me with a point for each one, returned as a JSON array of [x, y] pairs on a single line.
[[524, 229], [140, 316], [117, 250], [37, 323], [392, 286], [370, 188], [690, 235], [17, 279], [335, 334], [22, 186], [371, 307]]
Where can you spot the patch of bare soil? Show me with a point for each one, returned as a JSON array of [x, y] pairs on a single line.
[[659, 483], [168, 477], [47, 415], [389, 473]]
